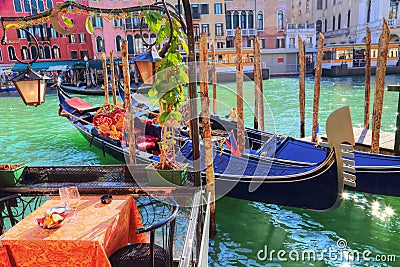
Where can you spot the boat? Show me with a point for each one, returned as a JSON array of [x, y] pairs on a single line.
[[84, 90], [311, 186], [349, 59]]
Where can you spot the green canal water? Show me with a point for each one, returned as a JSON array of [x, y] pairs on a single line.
[[359, 233]]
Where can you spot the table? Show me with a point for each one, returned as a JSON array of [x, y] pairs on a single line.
[[98, 231]]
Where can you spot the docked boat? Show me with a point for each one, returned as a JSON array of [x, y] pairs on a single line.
[[350, 59], [312, 186], [84, 90]]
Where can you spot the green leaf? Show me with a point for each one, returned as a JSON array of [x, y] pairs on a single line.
[[163, 117], [67, 21], [183, 76], [89, 25], [185, 46], [177, 115], [152, 93]]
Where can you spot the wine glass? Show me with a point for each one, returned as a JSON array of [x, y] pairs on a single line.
[[73, 199], [63, 191]]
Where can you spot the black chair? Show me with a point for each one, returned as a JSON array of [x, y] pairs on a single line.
[[151, 254], [7, 211]]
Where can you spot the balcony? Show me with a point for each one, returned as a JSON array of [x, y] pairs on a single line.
[[393, 23], [300, 28], [245, 32], [337, 33]]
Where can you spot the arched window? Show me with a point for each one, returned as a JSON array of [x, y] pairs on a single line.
[[348, 19], [318, 26], [131, 45], [153, 37], [251, 20], [17, 6], [47, 54], [41, 52], [369, 11], [25, 53], [1, 55], [34, 51], [11, 53], [138, 44], [55, 51], [235, 19], [228, 17], [100, 44], [281, 26], [118, 43], [260, 20], [339, 21], [333, 23], [243, 20], [326, 25]]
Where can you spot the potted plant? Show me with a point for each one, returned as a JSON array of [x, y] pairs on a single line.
[[10, 174], [169, 92]]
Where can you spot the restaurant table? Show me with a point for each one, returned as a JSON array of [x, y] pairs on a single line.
[[98, 231]]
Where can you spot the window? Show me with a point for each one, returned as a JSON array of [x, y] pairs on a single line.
[[41, 5], [27, 6], [97, 22], [339, 21], [260, 21], [333, 23], [204, 9], [393, 9], [72, 38], [11, 53], [251, 20], [235, 19], [318, 27], [179, 8], [219, 29], [47, 53], [262, 43], [205, 28], [131, 45], [229, 43], [25, 53], [326, 25], [74, 54], [118, 43], [348, 19], [319, 4], [281, 26], [196, 29], [280, 42], [218, 8], [228, 20], [195, 11], [220, 44], [55, 51], [369, 11], [128, 24], [1, 56], [49, 4], [82, 38], [41, 52], [117, 22], [334, 2], [243, 20], [17, 6], [100, 44], [34, 52], [292, 42]]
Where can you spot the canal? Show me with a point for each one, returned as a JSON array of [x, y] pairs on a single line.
[[359, 233]]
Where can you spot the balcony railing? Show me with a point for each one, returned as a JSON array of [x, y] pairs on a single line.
[[245, 32], [337, 32], [394, 22], [300, 27]]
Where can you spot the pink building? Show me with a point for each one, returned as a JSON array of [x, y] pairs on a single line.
[[263, 18], [109, 32]]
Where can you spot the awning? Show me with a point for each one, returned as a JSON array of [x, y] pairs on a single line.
[[58, 67]]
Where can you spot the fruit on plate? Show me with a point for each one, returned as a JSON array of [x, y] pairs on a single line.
[[51, 220]]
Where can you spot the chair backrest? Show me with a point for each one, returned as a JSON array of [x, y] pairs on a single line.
[[7, 212], [167, 210]]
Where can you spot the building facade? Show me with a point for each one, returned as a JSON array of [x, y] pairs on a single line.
[[52, 45]]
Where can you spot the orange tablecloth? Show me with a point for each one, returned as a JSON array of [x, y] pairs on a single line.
[[100, 229]]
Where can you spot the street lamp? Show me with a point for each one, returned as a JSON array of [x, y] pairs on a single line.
[[30, 85], [146, 64]]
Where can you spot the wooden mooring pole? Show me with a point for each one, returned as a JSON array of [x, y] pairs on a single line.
[[114, 89], [213, 78], [383, 47], [302, 85], [256, 89], [206, 128], [317, 87], [105, 78], [367, 77], [239, 92], [127, 103], [257, 57]]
